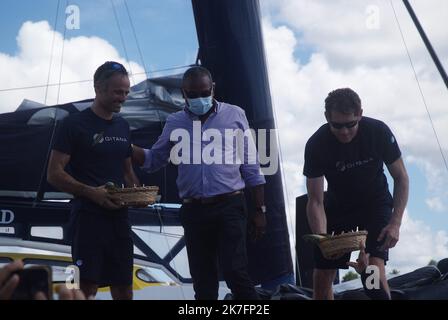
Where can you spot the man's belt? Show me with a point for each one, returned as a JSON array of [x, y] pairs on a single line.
[[213, 199]]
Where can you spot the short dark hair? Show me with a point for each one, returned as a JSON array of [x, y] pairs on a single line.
[[195, 73], [343, 100], [107, 70]]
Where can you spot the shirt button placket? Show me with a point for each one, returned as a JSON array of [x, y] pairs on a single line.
[[203, 170]]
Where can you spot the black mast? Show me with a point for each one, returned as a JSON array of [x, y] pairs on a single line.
[[231, 47], [428, 45]]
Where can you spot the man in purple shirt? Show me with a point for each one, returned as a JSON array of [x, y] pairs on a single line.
[[213, 170]]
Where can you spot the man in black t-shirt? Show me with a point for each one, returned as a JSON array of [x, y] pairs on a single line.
[[95, 146], [349, 151]]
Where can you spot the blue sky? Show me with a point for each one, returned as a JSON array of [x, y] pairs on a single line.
[[165, 29], [166, 32]]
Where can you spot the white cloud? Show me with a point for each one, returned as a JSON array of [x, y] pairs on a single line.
[[417, 246], [29, 67], [341, 29], [344, 53], [436, 204]]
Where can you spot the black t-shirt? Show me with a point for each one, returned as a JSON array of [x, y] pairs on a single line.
[[354, 171], [97, 148]]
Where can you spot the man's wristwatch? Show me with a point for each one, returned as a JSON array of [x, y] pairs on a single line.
[[261, 209]]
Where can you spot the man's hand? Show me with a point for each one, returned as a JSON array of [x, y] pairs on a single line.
[[363, 259], [390, 234], [258, 225], [101, 197], [7, 283]]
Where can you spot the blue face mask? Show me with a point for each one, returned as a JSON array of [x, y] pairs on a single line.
[[200, 106]]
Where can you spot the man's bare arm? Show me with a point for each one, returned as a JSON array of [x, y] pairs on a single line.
[[130, 177], [60, 179], [391, 233], [401, 189], [315, 207], [138, 155]]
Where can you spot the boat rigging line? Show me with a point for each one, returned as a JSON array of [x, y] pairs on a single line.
[[136, 39], [428, 45], [43, 178], [52, 51], [90, 80], [416, 77], [122, 39]]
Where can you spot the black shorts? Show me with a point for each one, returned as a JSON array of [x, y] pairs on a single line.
[[373, 220], [102, 248]]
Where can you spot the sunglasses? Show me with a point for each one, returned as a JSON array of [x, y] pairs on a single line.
[[115, 66], [108, 69], [347, 125]]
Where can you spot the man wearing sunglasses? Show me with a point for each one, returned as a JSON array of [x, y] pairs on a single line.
[[349, 151], [213, 213], [95, 146]]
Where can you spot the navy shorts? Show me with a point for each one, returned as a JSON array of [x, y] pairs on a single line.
[[373, 220], [102, 248]]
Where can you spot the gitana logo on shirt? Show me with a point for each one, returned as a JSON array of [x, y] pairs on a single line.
[[98, 138], [342, 166]]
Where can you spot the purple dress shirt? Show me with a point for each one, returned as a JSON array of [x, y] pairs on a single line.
[[213, 157]]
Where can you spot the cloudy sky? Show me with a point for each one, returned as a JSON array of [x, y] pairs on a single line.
[[312, 47]]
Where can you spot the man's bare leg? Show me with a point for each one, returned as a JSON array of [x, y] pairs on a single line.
[[380, 264], [89, 288], [121, 292], [323, 284]]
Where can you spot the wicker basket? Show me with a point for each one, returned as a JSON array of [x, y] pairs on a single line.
[[334, 247], [135, 196]]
